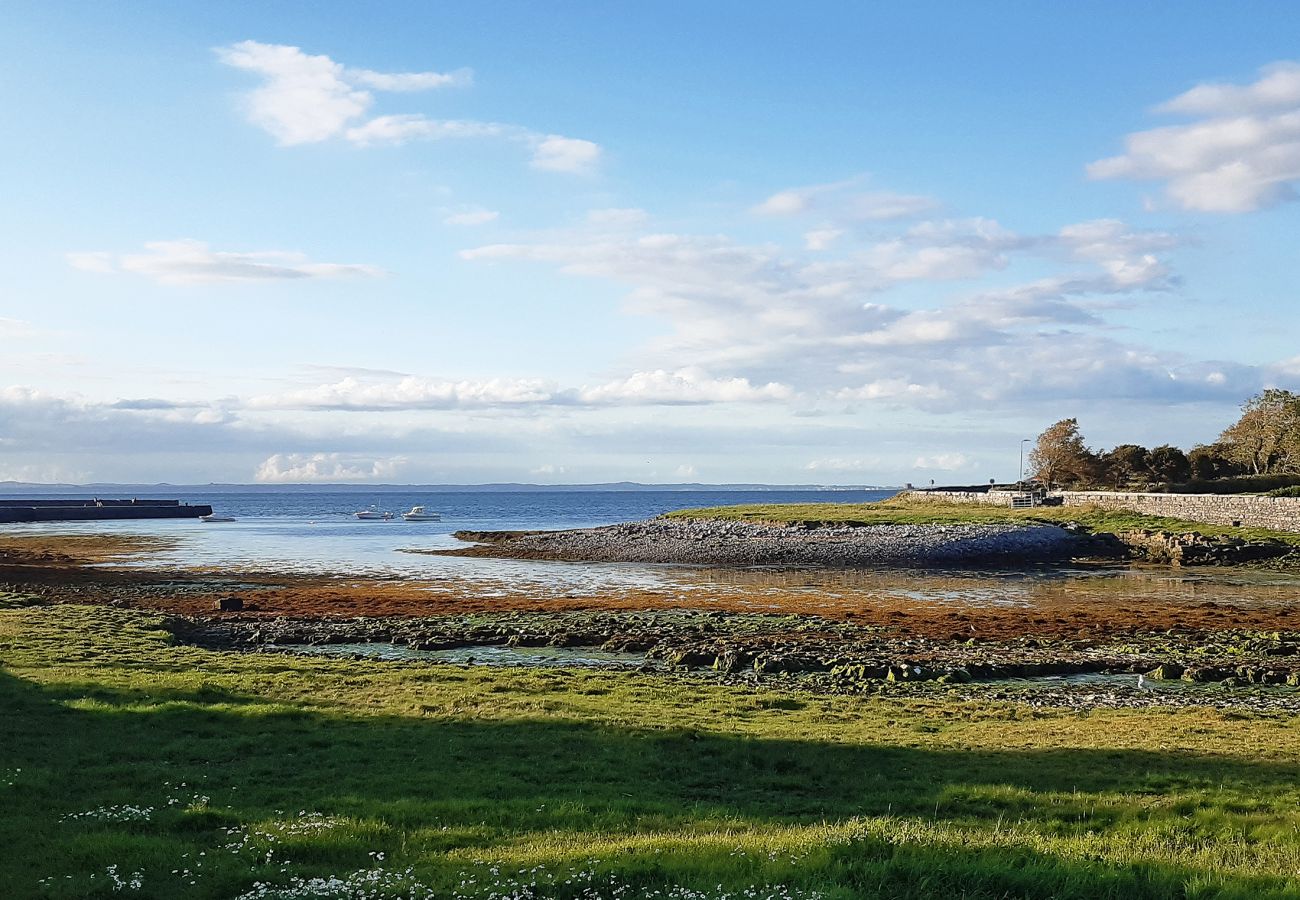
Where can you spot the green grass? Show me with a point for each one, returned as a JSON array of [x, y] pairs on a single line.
[[261, 767], [924, 512]]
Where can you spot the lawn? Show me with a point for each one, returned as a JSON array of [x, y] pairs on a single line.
[[925, 512], [131, 766]]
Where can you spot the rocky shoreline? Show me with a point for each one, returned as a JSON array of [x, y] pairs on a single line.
[[823, 655], [729, 543]]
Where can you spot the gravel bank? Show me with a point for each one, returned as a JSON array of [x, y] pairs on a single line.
[[707, 542]]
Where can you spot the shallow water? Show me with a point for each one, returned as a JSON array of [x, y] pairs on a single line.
[[315, 532]]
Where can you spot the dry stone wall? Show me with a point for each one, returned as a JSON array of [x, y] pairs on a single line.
[[1280, 513]]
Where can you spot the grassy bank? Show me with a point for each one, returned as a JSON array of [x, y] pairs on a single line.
[[905, 512], [130, 766]]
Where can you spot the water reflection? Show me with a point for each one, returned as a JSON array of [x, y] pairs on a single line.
[[349, 548]]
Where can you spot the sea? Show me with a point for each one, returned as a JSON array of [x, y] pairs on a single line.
[[317, 532]]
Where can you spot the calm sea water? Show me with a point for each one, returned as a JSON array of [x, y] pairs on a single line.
[[317, 531]]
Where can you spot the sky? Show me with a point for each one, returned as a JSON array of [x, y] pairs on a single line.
[[463, 242]]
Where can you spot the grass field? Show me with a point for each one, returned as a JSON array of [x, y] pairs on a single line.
[[913, 512], [130, 766]]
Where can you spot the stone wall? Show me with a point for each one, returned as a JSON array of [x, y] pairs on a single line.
[[1279, 513], [991, 498]]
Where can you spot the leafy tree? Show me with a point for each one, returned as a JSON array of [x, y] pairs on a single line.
[[1169, 464], [1209, 461], [1125, 464], [1266, 439], [1060, 457]]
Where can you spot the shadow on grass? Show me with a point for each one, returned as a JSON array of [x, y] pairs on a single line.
[[427, 786]]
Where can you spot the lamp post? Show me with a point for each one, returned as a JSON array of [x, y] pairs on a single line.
[[1021, 482]]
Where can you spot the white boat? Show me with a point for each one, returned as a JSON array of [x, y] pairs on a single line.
[[374, 513], [420, 514], [213, 517]]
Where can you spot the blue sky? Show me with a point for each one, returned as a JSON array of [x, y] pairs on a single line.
[[835, 243]]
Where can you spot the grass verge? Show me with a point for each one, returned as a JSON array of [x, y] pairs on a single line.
[[131, 766], [904, 512]]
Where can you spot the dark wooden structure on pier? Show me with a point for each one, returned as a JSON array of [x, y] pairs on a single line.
[[74, 509]]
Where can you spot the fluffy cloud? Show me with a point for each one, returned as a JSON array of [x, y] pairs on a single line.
[[821, 238], [683, 387], [554, 153], [291, 468], [815, 326], [306, 99], [191, 262], [1241, 154], [411, 392]]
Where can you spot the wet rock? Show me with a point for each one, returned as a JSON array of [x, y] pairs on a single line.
[[229, 604], [1205, 674], [1167, 672]]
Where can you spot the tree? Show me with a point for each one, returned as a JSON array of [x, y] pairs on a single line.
[[1266, 439], [1125, 464], [1169, 464], [1060, 457], [1209, 461]]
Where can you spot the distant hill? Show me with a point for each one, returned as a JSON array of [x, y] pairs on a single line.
[[22, 487]]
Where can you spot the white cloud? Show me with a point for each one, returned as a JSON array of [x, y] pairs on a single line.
[[845, 464], [1242, 155], [413, 392], [554, 153], [472, 217], [785, 203], [655, 388], [879, 206], [191, 262], [398, 129], [303, 99], [1128, 256], [306, 99], [844, 201], [1277, 88], [409, 81], [821, 238], [893, 389], [684, 386], [814, 326], [685, 470], [290, 468], [946, 462]]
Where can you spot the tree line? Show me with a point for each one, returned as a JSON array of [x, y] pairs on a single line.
[[1264, 441]]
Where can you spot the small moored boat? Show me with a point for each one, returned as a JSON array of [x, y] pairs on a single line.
[[213, 517], [420, 514], [374, 513]]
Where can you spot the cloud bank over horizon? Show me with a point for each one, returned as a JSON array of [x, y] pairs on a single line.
[[392, 275]]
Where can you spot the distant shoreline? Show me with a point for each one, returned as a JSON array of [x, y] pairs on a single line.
[[28, 488]]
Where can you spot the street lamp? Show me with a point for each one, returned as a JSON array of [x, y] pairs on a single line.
[[1021, 483]]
